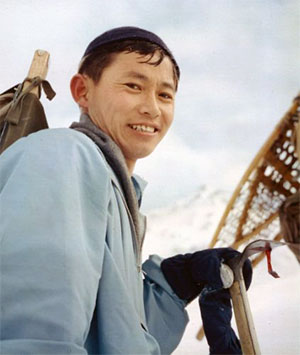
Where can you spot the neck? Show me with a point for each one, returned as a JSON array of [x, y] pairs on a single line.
[[129, 163], [130, 166]]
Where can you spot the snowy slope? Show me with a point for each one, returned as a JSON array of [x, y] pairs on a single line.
[[188, 226]]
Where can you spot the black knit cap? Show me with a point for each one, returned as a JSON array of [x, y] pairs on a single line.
[[129, 32]]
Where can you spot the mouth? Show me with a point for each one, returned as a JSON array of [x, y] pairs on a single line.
[[143, 128]]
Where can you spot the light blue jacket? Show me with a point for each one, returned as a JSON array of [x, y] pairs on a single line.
[[69, 281]]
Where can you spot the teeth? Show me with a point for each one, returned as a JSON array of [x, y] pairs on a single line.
[[143, 128]]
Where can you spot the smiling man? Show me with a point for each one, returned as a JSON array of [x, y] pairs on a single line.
[[72, 281], [133, 103]]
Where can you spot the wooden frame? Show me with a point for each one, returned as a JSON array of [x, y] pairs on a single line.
[[272, 176], [39, 67]]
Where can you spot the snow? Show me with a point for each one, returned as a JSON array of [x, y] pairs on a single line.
[[188, 226]]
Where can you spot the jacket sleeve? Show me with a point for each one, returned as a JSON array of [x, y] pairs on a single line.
[[165, 312], [52, 213]]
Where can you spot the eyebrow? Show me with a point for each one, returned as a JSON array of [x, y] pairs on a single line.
[[137, 75]]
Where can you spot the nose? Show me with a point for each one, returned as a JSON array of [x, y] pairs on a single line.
[[150, 107]]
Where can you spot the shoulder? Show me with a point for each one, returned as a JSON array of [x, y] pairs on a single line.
[[55, 140], [56, 152], [57, 144]]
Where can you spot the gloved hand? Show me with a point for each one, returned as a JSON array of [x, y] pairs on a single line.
[[216, 314], [188, 274]]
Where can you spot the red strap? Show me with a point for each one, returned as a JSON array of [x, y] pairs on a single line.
[[270, 269]]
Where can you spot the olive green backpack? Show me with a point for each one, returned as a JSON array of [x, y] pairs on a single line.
[[21, 112]]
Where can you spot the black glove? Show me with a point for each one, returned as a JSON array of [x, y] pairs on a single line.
[[188, 274], [216, 313], [191, 274]]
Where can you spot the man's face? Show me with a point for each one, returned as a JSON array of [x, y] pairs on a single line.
[[133, 103]]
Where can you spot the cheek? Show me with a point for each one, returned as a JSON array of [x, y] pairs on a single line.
[[126, 102], [169, 117], [120, 105], [117, 113]]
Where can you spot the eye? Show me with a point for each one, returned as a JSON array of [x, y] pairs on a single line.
[[166, 96], [133, 86]]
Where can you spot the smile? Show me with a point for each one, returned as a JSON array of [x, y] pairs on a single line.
[[142, 128]]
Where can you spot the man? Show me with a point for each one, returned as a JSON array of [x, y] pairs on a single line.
[[71, 273]]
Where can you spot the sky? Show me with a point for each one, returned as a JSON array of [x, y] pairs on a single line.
[[239, 65]]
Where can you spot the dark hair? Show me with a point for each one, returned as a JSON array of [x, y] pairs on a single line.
[[94, 63]]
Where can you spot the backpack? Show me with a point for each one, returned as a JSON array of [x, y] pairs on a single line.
[[21, 112]]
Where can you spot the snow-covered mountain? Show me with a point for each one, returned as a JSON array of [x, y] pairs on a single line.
[[188, 226]]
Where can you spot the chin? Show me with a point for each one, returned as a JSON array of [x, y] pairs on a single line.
[[142, 154]]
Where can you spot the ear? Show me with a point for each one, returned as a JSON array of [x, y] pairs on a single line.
[[79, 90]]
